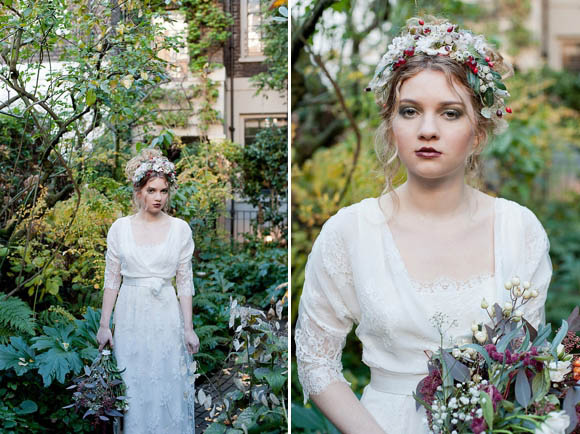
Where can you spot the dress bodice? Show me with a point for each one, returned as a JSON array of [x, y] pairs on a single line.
[[129, 259], [355, 276]]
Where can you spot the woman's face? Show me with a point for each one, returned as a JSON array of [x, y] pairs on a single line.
[[432, 127], [153, 195]]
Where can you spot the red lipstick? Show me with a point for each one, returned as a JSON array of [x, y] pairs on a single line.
[[427, 152]]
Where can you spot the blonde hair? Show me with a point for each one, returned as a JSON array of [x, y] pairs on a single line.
[[456, 73], [134, 163]]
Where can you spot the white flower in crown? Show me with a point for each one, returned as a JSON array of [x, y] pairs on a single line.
[[447, 40], [157, 164]]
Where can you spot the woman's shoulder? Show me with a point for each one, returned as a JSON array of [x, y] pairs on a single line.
[[367, 208], [515, 212], [181, 224], [120, 221]]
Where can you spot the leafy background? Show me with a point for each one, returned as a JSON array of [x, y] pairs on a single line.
[[63, 147], [534, 163]]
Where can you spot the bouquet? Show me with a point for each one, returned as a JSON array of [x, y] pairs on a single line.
[[510, 379], [100, 390]]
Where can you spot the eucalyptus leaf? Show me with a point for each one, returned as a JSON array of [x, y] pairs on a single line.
[[458, 370], [523, 390], [481, 351], [558, 338], [543, 334], [506, 340], [569, 406]]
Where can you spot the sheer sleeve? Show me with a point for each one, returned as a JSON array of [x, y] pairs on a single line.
[[324, 320], [184, 273], [112, 261], [538, 266]]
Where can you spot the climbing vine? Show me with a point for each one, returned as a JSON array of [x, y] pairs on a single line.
[[208, 30]]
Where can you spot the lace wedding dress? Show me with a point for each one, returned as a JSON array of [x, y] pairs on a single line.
[[148, 325], [355, 275]]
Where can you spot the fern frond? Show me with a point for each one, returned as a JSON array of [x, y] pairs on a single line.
[[16, 318]]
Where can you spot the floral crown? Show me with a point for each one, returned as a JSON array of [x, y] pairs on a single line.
[[446, 39], [155, 164]]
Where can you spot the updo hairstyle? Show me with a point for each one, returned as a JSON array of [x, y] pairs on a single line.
[[132, 166], [456, 74]]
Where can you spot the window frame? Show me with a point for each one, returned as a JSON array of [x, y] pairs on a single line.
[[244, 56]]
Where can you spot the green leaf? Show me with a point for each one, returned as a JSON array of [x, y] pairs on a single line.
[[55, 364], [523, 392], [91, 97], [473, 81], [499, 85], [525, 342], [506, 339], [18, 356], [276, 378], [458, 370], [26, 407], [543, 333], [215, 428], [508, 405], [487, 408], [481, 351], [540, 384], [248, 418], [558, 338], [488, 97]]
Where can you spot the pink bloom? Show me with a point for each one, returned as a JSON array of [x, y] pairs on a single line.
[[478, 425]]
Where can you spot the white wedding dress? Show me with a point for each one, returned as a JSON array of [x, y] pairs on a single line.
[[356, 275], [148, 325]]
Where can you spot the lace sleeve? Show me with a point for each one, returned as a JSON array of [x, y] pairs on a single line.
[[112, 262], [538, 266], [184, 273], [323, 319]]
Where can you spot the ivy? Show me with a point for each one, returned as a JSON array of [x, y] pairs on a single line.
[[208, 30]]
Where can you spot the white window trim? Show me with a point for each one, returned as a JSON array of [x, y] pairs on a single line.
[[244, 58], [246, 116]]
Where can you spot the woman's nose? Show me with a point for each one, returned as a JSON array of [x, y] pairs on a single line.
[[428, 129]]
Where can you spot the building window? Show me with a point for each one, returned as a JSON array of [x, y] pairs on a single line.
[[251, 21], [571, 55], [253, 125]]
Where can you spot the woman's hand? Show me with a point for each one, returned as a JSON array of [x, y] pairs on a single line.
[[104, 336], [191, 341]]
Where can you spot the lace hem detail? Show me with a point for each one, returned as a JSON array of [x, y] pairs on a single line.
[[318, 356], [184, 279], [448, 284], [112, 272]]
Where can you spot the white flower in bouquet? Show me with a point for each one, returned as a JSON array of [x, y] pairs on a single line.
[[481, 336], [559, 370], [556, 423]]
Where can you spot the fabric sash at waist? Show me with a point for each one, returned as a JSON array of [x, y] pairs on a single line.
[[155, 284], [397, 384]]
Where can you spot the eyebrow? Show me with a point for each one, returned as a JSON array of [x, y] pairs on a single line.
[[442, 104]]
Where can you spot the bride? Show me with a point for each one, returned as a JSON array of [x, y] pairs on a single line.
[[434, 245], [154, 334]]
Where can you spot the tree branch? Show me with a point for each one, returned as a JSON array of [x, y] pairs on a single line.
[[301, 35], [349, 115]]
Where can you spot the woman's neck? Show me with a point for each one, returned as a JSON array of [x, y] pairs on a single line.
[[148, 217], [435, 199]]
